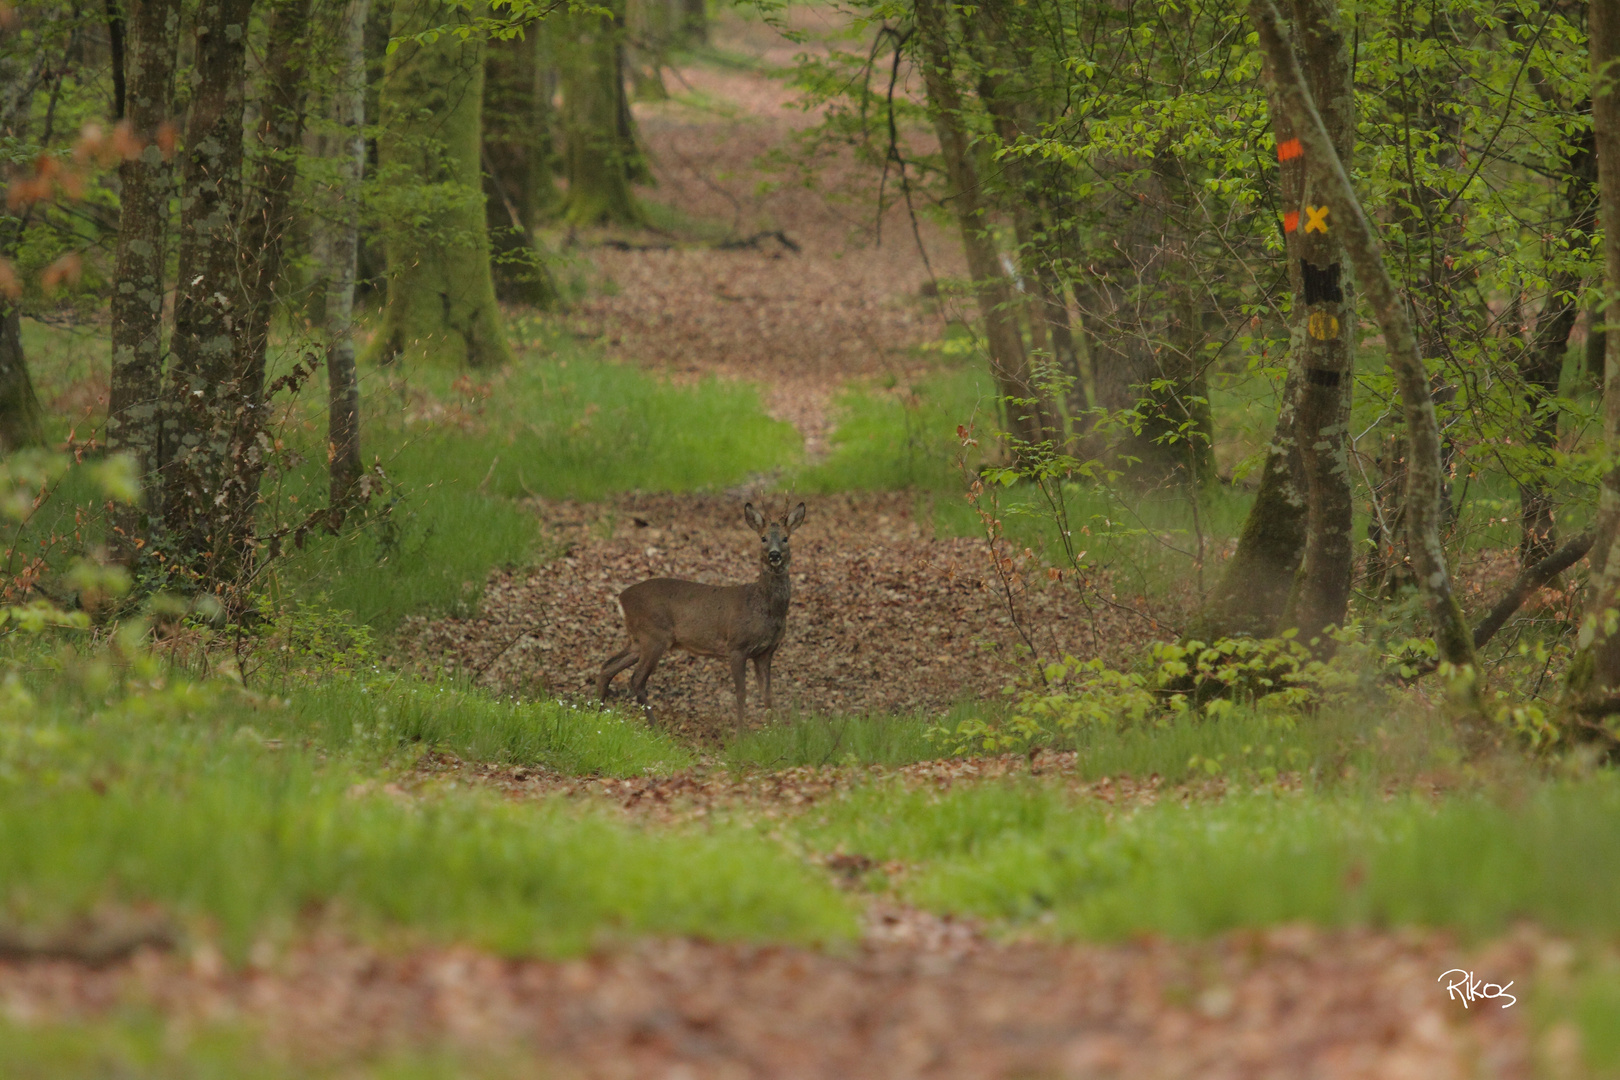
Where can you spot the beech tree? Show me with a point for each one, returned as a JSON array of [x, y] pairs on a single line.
[[600, 153], [441, 305]]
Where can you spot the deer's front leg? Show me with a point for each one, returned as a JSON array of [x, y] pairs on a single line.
[[762, 675], [739, 681]]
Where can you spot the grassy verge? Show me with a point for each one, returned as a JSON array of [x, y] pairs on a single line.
[[137, 1045], [383, 717], [176, 797], [821, 740], [1025, 853]]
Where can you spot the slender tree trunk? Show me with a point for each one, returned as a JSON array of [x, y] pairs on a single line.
[[600, 154], [272, 172], [694, 21], [145, 184], [1322, 330], [1179, 423], [1595, 673], [1423, 512], [441, 296], [205, 393], [1008, 362], [21, 419], [517, 166], [341, 247], [1542, 363]]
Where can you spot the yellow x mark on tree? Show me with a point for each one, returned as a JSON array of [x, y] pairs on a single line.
[[1316, 219]]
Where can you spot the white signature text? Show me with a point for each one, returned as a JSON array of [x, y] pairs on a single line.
[[1468, 988]]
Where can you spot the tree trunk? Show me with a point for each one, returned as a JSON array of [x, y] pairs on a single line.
[[1178, 423], [1027, 419], [1253, 593], [1542, 363], [1595, 672], [1348, 222], [268, 217], [205, 393], [517, 150], [694, 21], [145, 184], [441, 296], [601, 158], [340, 250], [1323, 319], [21, 419]]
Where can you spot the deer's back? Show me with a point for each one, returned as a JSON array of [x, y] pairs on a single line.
[[710, 619]]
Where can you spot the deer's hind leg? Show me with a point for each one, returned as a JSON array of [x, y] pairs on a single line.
[[612, 667], [651, 651]]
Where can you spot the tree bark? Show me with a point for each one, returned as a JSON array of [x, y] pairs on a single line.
[[1027, 420], [1542, 362], [1454, 642], [518, 188], [21, 419], [1322, 324], [1252, 595], [146, 183], [441, 296], [340, 250], [1595, 672], [600, 155], [205, 394], [272, 172]]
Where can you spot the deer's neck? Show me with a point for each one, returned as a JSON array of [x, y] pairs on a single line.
[[776, 588]]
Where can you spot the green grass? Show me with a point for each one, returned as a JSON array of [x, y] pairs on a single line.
[[891, 440], [134, 1044], [561, 424], [1019, 852], [820, 740], [381, 718], [176, 797]]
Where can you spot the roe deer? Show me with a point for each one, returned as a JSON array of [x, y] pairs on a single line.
[[738, 622]]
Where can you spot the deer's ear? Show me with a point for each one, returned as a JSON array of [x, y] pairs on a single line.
[[795, 519], [755, 519]]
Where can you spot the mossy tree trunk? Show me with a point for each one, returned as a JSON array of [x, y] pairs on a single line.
[[1453, 638], [146, 183], [1322, 323], [601, 157], [441, 295], [205, 393], [519, 164], [271, 171]]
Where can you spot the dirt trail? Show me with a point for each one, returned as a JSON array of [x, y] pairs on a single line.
[[885, 618], [800, 323], [922, 1001]]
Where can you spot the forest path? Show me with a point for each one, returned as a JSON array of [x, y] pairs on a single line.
[[727, 153], [886, 617], [915, 1001]]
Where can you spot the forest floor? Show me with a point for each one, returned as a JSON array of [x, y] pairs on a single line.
[[888, 619]]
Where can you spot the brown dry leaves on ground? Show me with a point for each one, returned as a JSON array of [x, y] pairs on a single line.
[[918, 999], [800, 323], [886, 618]]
